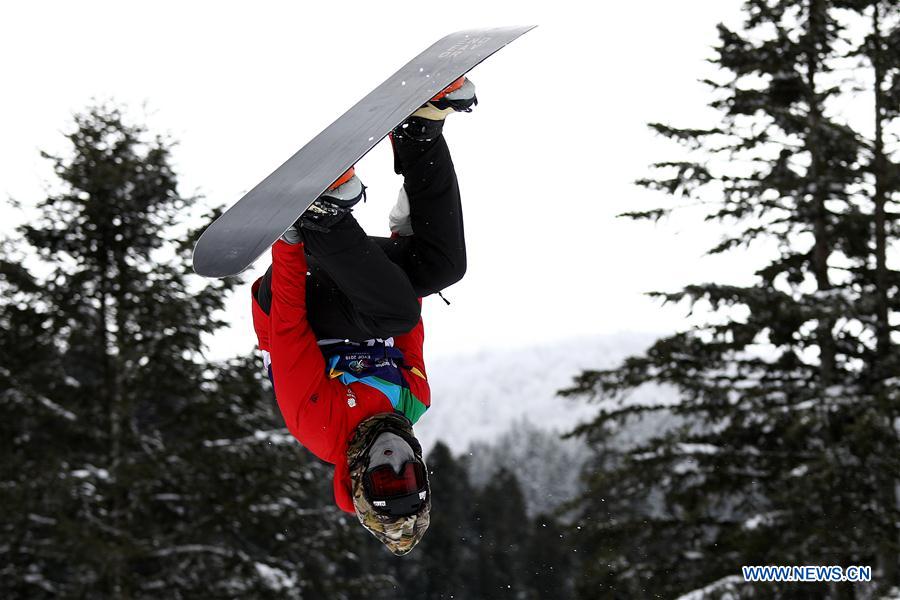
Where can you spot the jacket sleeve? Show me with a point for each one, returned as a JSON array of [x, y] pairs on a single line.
[[304, 394], [411, 345]]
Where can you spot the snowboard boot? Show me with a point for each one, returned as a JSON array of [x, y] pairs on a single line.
[[427, 123], [333, 205]]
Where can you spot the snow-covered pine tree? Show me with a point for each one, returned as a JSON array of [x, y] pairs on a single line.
[[879, 417], [784, 448], [132, 466], [36, 435], [448, 551], [547, 467], [550, 560], [504, 533]]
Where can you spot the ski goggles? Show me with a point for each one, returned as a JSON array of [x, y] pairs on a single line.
[[396, 494]]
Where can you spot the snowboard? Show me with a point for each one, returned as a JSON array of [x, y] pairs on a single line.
[[241, 234]]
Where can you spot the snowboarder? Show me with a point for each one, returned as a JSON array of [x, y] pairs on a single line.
[[337, 317]]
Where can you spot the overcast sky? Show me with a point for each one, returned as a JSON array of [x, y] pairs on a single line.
[[545, 162]]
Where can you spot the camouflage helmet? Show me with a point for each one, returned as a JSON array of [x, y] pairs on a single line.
[[399, 534]]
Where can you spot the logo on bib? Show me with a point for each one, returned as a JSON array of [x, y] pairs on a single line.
[[357, 366]]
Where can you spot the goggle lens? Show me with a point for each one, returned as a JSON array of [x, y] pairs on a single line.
[[385, 483]]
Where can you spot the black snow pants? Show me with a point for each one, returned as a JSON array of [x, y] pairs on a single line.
[[361, 287]]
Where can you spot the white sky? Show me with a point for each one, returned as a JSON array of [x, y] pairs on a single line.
[[545, 162]]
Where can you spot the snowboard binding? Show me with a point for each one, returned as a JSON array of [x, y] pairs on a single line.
[[330, 208], [427, 122]]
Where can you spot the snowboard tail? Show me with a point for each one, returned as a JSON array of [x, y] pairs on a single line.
[[240, 235]]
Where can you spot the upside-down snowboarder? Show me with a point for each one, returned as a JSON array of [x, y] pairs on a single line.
[[337, 317]]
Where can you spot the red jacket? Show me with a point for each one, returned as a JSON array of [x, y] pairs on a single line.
[[319, 411]]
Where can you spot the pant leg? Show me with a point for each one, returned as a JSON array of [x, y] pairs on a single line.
[[378, 289], [328, 310], [353, 290], [434, 257]]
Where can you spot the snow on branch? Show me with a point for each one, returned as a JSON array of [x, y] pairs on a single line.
[[197, 549], [21, 397], [725, 586], [273, 436]]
